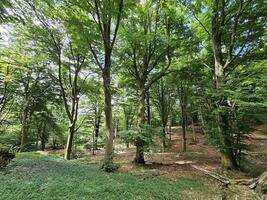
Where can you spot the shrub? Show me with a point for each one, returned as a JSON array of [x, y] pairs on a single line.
[[5, 157]]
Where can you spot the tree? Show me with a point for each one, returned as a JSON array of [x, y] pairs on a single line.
[[7, 74], [148, 47], [66, 51], [94, 92], [103, 23], [164, 101], [233, 35]]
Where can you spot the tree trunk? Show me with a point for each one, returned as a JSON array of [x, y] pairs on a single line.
[[72, 123], [97, 126], [126, 125], [93, 149], [54, 143], [194, 139], [139, 157], [183, 104], [24, 129], [42, 135], [228, 160], [68, 149], [148, 109], [97, 133], [108, 112], [203, 124], [164, 145], [42, 144], [37, 140], [184, 133]]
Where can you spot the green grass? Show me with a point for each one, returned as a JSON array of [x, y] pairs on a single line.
[[33, 176]]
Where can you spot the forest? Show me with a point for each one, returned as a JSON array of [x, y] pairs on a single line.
[[133, 99]]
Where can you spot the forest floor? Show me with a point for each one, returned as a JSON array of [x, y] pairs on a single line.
[[167, 175], [174, 163], [49, 177]]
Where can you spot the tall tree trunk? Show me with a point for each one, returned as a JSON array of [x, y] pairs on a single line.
[[183, 132], [42, 144], [24, 128], [148, 108], [37, 141], [98, 112], [139, 157], [164, 145], [97, 126], [163, 112], [126, 117], [108, 111], [183, 104], [43, 137], [228, 160]]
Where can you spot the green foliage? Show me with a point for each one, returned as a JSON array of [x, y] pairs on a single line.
[[143, 136], [108, 165], [5, 11]]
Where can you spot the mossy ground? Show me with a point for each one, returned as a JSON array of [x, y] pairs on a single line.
[[35, 176]]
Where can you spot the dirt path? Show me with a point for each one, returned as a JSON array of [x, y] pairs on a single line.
[[257, 152]]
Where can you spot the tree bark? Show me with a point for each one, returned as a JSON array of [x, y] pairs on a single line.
[[25, 127], [68, 149], [183, 105], [164, 145], [184, 133], [73, 115], [98, 112], [139, 157], [97, 126], [108, 109], [228, 160], [148, 108], [43, 136]]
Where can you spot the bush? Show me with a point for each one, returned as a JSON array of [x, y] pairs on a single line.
[[5, 157], [109, 166], [143, 135]]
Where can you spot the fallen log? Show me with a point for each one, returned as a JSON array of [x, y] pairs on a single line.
[[246, 182], [214, 175], [251, 183]]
